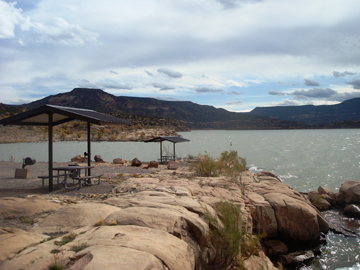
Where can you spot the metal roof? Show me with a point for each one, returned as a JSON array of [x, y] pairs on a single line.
[[40, 116], [173, 139]]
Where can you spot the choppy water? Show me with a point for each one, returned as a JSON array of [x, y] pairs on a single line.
[[303, 159]]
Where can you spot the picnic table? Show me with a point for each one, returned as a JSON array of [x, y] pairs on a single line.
[[73, 173]]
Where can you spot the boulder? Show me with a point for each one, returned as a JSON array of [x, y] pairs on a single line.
[[331, 195], [340, 198], [169, 249], [119, 161], [275, 248], [173, 165], [296, 220], [350, 191], [352, 210], [136, 162], [353, 194], [12, 241], [96, 257], [11, 207], [74, 216], [320, 201], [98, 158], [263, 215], [79, 158], [297, 257], [153, 164]]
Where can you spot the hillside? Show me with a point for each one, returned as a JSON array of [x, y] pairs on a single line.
[[195, 116], [345, 113]]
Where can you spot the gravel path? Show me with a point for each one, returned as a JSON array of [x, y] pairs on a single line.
[[11, 187]]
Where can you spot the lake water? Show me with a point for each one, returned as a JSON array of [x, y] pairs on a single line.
[[303, 159]]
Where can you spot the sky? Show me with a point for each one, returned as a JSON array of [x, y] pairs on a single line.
[[231, 54]]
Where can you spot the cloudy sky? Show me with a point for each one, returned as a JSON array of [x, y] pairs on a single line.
[[232, 54]]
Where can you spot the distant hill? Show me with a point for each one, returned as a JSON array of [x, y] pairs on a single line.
[[182, 115], [345, 113], [194, 115]]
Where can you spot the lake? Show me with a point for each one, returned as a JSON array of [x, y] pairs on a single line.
[[303, 159]]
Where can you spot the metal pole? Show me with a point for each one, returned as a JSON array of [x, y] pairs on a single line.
[[161, 157], [174, 152], [89, 146], [50, 152]]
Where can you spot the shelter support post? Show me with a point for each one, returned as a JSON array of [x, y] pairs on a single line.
[[161, 156], [174, 151], [50, 149], [89, 146]]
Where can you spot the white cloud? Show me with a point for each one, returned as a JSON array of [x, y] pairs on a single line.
[[9, 19], [206, 49], [59, 32]]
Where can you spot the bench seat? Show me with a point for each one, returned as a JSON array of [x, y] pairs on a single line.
[[43, 177], [86, 179]]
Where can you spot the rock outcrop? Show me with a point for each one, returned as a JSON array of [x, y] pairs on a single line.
[[163, 222]]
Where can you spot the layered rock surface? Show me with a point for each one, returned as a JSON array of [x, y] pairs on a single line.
[[159, 222]]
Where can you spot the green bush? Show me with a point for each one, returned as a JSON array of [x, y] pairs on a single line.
[[79, 247], [230, 238], [204, 165], [226, 237], [231, 164], [66, 239]]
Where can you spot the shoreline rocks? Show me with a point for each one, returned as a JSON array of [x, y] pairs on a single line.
[[162, 220]]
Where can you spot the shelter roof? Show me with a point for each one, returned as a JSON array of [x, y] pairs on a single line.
[[173, 139], [39, 116]]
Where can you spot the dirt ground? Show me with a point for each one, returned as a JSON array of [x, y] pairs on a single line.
[[13, 187]]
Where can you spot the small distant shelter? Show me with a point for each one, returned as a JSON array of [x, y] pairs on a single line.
[[173, 139], [52, 115]]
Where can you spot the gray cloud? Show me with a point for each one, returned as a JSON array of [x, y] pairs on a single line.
[[305, 94], [88, 84], [289, 102], [234, 93], [238, 102], [309, 82], [338, 74], [276, 93], [114, 72], [313, 93], [149, 73], [167, 98], [355, 83], [162, 86], [227, 4], [170, 73], [205, 89], [116, 86]]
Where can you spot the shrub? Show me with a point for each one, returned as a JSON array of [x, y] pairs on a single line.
[[204, 165], [100, 134], [79, 247], [66, 239], [231, 164], [99, 223], [226, 238], [58, 263], [26, 219], [62, 135]]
